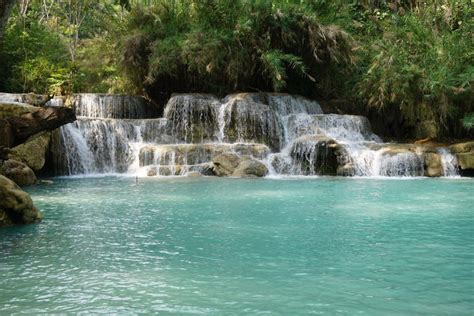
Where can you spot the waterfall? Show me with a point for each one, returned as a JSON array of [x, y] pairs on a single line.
[[449, 163], [289, 134], [112, 106]]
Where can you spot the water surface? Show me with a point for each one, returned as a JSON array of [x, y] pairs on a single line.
[[235, 246]]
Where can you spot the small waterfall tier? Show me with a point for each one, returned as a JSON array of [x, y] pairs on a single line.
[[289, 135], [92, 105]]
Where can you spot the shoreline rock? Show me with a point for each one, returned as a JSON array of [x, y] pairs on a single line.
[[16, 206], [19, 172]]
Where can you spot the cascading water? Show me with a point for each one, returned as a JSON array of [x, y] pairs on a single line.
[[449, 163], [289, 134]]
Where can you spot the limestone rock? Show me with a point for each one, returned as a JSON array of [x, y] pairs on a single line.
[[9, 109], [466, 162], [153, 171], [33, 152], [194, 174], [346, 170], [252, 122], [249, 167], [193, 154], [16, 206], [432, 165], [45, 118], [20, 173], [462, 147], [316, 155], [225, 164], [6, 139], [191, 117]]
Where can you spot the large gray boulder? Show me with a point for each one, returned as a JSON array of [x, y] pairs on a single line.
[[16, 206], [20, 173]]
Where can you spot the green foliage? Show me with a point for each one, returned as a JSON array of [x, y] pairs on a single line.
[[468, 121], [50, 47], [33, 55], [221, 46], [421, 58], [409, 57]]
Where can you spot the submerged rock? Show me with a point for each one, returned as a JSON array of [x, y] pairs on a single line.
[[16, 206], [20, 173]]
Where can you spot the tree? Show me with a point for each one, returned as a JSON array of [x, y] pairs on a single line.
[[6, 7]]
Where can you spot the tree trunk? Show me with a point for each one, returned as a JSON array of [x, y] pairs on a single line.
[[6, 7]]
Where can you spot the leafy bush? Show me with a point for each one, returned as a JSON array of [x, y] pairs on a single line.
[[221, 46], [422, 64], [33, 56]]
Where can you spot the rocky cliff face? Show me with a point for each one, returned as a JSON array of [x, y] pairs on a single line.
[[23, 146]]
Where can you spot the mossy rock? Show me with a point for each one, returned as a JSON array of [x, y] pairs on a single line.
[[20, 173], [15, 109], [432, 165], [250, 168], [462, 147], [16, 206], [33, 152], [466, 160]]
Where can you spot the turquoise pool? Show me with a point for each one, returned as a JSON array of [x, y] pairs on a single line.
[[235, 246]]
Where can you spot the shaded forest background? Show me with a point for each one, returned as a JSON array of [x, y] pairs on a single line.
[[407, 64]]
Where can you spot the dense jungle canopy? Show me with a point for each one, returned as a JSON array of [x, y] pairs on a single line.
[[405, 58]]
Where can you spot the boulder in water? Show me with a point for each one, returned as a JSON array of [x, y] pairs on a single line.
[[16, 206], [229, 164], [250, 168], [19, 172], [225, 164], [153, 171]]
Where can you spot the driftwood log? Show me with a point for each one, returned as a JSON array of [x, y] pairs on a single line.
[[16, 130]]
